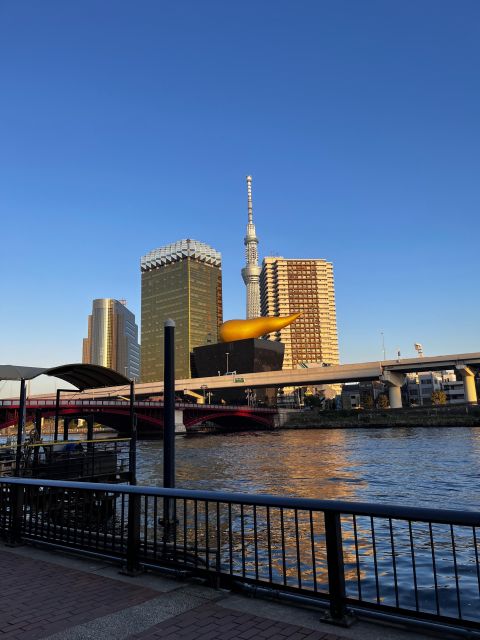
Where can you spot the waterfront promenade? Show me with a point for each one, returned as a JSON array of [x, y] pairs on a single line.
[[46, 594]]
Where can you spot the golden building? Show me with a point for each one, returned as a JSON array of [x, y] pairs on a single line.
[[112, 338], [182, 281], [290, 286]]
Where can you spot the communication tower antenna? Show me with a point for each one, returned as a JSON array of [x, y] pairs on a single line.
[[419, 349], [251, 270]]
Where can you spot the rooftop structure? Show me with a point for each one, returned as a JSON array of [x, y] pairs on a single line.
[[177, 251]]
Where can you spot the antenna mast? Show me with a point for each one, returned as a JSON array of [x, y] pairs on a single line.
[[251, 271]]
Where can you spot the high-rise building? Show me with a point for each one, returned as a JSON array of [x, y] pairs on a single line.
[[291, 285], [181, 281], [112, 338], [251, 271]]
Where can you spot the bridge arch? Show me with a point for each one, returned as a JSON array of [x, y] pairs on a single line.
[[192, 419]]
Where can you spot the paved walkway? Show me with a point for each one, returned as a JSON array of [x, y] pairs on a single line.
[[45, 594]]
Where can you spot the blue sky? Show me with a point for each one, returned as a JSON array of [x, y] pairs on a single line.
[[128, 125]]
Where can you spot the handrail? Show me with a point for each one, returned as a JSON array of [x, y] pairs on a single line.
[[393, 560], [50, 443], [420, 514], [13, 404]]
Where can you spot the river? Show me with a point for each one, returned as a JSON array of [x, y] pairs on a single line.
[[430, 467], [435, 467]]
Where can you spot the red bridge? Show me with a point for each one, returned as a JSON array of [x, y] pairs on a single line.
[[116, 414]]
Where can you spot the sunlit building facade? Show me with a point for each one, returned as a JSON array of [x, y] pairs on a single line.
[[112, 338], [295, 285], [181, 281]]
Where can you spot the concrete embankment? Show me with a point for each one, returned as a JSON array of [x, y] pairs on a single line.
[[456, 416]]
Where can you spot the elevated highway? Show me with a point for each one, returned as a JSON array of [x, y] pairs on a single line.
[[391, 372]]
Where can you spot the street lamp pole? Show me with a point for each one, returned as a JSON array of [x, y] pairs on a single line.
[[169, 427], [227, 354]]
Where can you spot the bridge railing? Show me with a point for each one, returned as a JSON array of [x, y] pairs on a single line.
[[123, 403], [420, 564]]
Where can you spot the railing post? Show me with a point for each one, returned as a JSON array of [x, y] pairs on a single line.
[[57, 408], [38, 422], [132, 567], [336, 570], [132, 458], [21, 425], [16, 499], [66, 422]]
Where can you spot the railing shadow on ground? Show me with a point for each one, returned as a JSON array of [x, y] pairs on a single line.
[[420, 564]]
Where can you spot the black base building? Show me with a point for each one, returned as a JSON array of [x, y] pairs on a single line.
[[241, 356]]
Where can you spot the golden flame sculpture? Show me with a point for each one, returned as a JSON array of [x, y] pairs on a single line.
[[254, 328]]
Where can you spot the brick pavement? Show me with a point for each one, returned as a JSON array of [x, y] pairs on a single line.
[[48, 596], [39, 598], [212, 622]]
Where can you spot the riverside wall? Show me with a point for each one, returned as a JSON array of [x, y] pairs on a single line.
[[453, 416]]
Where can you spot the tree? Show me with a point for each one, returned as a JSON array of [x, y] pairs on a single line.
[[382, 401], [439, 397]]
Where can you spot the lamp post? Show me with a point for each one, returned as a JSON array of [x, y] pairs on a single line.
[[226, 355], [169, 427]]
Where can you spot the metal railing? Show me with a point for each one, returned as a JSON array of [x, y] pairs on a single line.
[[123, 403], [105, 460], [421, 564]]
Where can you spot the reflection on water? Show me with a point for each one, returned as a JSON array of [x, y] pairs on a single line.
[[422, 467], [411, 566]]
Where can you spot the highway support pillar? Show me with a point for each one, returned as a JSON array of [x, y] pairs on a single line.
[[468, 377], [394, 382]]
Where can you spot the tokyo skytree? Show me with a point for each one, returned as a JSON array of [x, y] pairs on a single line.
[[251, 271]]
